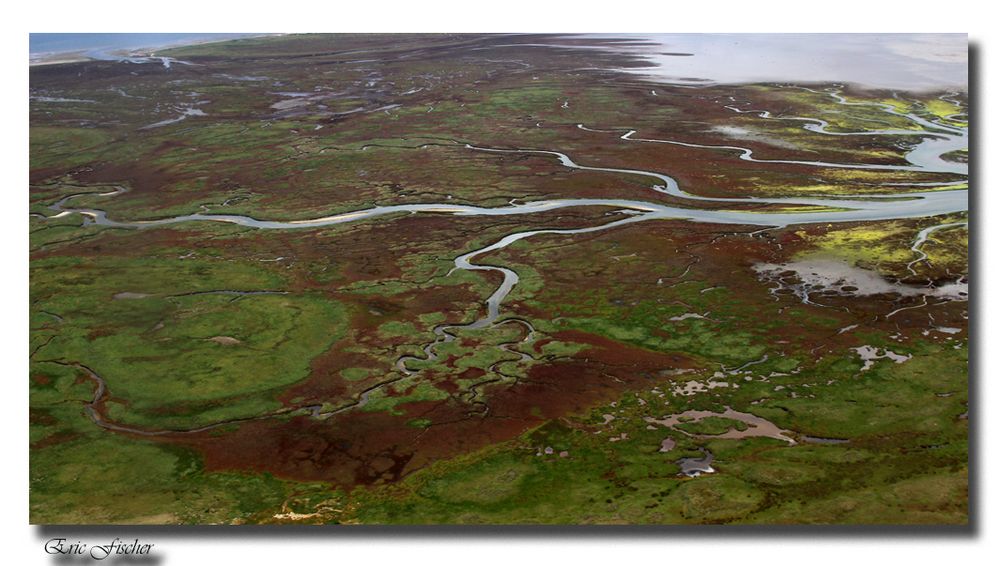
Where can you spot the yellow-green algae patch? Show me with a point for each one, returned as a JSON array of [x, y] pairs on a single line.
[[871, 243]]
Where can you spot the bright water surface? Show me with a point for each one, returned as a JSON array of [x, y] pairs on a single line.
[[891, 61]]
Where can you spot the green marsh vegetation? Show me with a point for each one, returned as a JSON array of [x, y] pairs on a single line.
[[237, 329]]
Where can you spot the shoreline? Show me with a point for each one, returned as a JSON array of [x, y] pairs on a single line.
[[82, 55]]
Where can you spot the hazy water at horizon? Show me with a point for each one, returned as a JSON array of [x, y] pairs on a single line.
[[49, 43], [892, 60]]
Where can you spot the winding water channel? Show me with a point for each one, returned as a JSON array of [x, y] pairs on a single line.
[[925, 156]]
